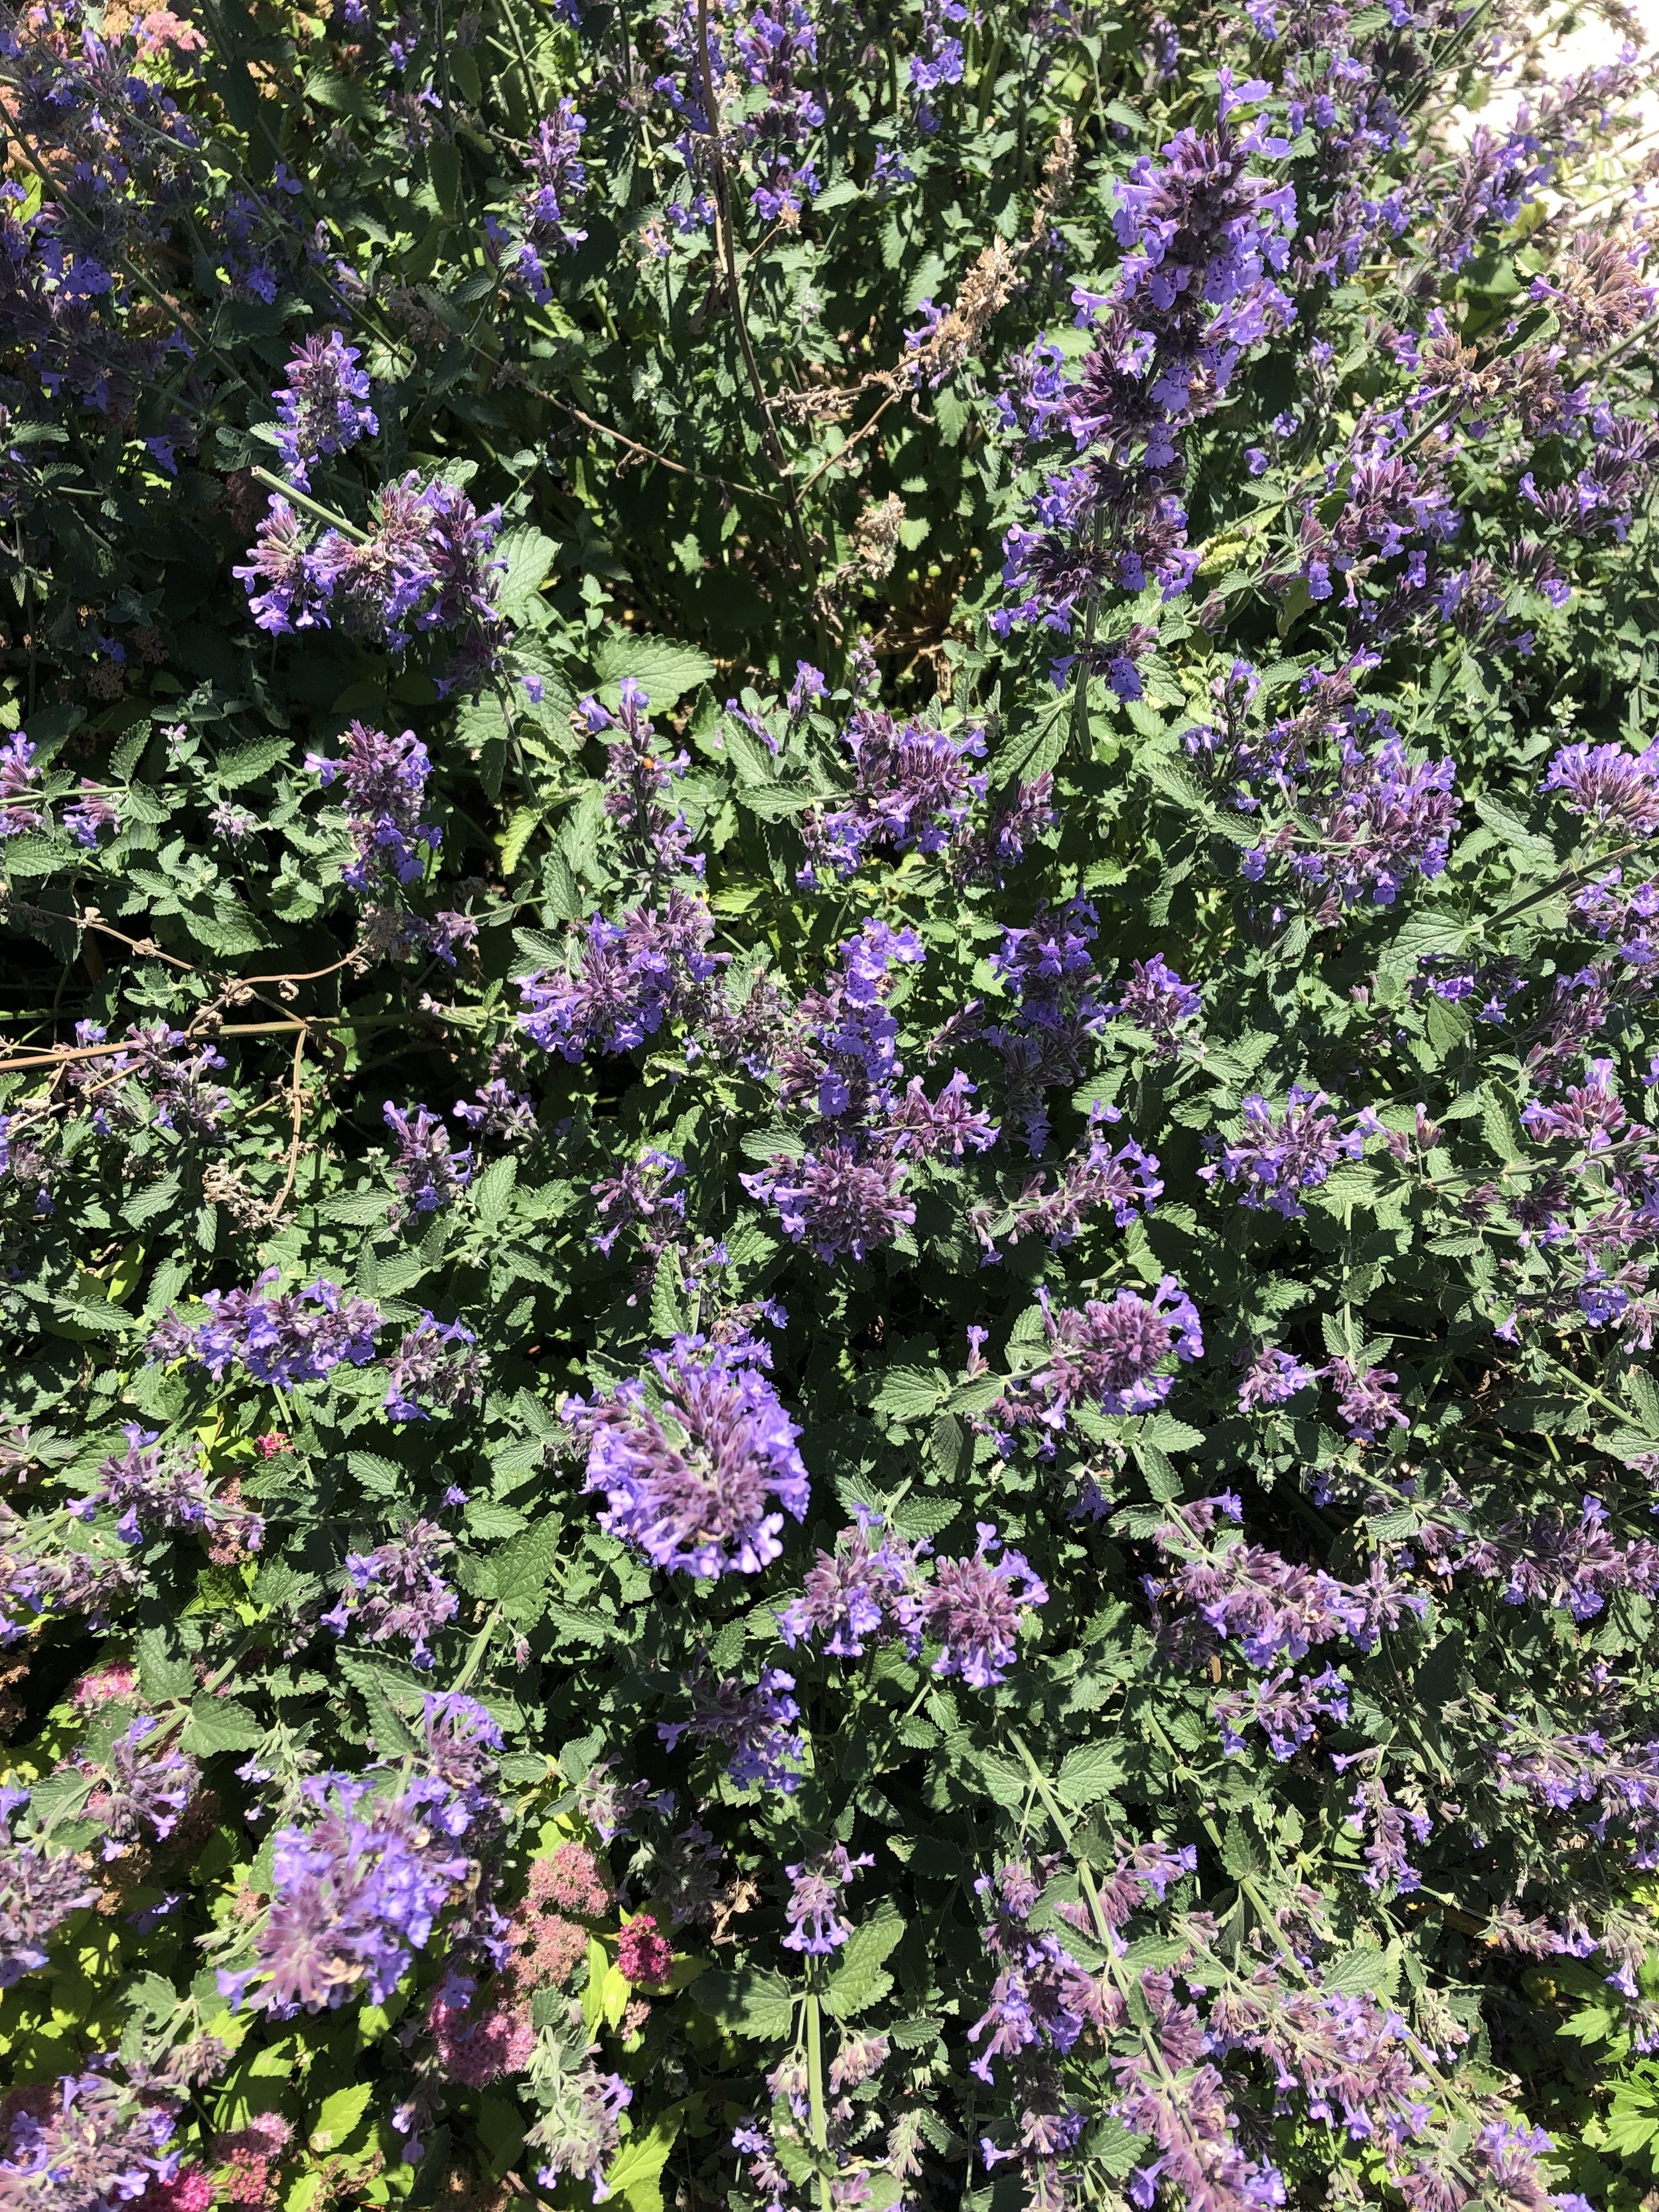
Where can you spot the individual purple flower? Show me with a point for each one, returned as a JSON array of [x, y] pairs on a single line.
[[39, 1890], [813, 1912], [427, 1173], [324, 409], [435, 1368], [1157, 1000], [1277, 1156], [753, 1722], [397, 1590], [976, 1606], [692, 1470], [1107, 1356], [1272, 1378], [1617, 790]]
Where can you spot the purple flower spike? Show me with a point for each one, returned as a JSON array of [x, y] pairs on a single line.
[[691, 1478], [813, 1911], [324, 410]]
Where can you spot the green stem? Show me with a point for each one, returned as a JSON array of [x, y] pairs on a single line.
[[815, 2087], [312, 506]]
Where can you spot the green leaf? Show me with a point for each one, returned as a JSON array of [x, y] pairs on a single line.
[[1090, 1771], [1368, 1968], [523, 1568], [749, 2002], [492, 1191], [858, 1980], [220, 1724], [909, 1393], [529, 554], [245, 763], [666, 670], [339, 2116], [633, 2178]]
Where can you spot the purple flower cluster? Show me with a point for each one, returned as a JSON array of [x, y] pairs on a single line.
[[435, 1369], [1157, 1000], [1545, 1559], [324, 409], [1272, 1378], [39, 1890], [1041, 1996], [141, 1786], [1278, 1155], [1125, 1180], [163, 1489], [1109, 1356], [1273, 1609], [1618, 1788], [19, 778], [397, 1590], [635, 976], [427, 1173], [654, 839], [845, 1192], [1048, 972], [384, 779], [91, 2147], [556, 180], [1615, 790], [863, 1590], [282, 1337], [760, 67], [753, 1724], [361, 1885], [692, 1470], [876, 1586], [424, 566], [813, 1911], [913, 792], [1200, 235], [41, 1579], [641, 1195], [1287, 1707]]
